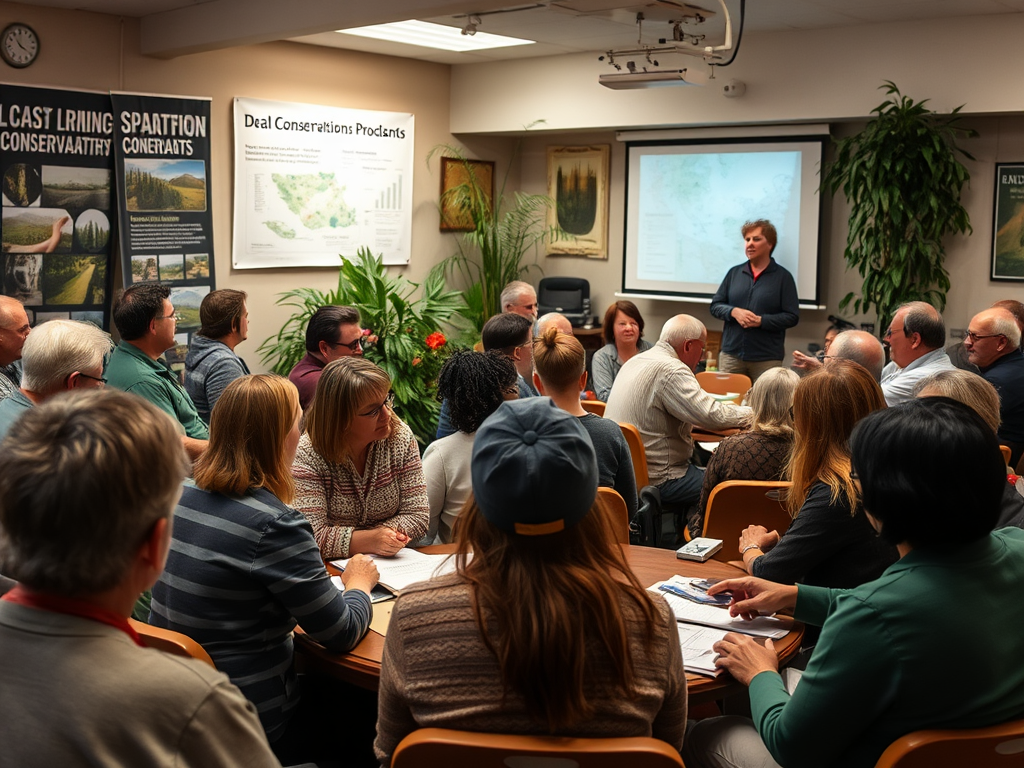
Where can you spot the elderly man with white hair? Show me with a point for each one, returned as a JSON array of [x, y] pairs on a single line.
[[60, 355], [860, 347], [14, 329], [993, 344], [556, 320], [519, 298], [657, 392]]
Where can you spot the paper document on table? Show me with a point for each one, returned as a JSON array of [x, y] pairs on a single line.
[[713, 616], [724, 396], [379, 594], [696, 643], [408, 567]]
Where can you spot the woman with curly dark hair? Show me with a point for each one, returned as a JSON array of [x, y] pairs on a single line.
[[474, 384]]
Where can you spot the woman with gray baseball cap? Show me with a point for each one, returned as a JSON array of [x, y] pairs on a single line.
[[543, 628]]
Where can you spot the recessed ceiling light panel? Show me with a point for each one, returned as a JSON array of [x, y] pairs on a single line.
[[428, 35]]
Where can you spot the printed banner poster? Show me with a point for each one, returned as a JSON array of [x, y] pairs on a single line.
[[56, 160], [162, 154], [313, 182]]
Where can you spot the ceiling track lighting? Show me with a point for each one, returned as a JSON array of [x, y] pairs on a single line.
[[472, 25]]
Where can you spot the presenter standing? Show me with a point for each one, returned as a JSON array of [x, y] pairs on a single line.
[[758, 302]]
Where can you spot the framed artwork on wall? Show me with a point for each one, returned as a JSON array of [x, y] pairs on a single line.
[[1008, 227], [460, 181], [578, 183]]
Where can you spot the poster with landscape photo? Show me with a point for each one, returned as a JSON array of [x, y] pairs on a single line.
[[162, 163], [56, 173]]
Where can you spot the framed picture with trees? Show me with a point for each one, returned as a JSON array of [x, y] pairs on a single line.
[[578, 184]]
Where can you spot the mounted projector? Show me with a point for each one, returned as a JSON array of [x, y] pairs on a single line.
[[622, 81]]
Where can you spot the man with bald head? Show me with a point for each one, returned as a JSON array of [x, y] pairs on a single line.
[[657, 392], [14, 329], [859, 347], [993, 344], [556, 320], [916, 339]]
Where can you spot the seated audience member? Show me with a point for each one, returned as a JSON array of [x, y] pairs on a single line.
[[58, 356], [763, 452], [211, 363], [87, 492], [981, 397], [146, 320], [657, 392], [875, 673], [804, 364], [860, 347], [510, 334], [561, 375], [244, 568], [916, 338], [993, 344], [830, 542], [520, 298], [507, 644], [623, 333], [331, 334], [553, 320], [14, 329], [358, 476], [473, 384]]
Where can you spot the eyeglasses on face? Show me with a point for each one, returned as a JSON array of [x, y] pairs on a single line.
[[375, 412], [352, 347], [891, 331], [176, 317], [94, 378], [975, 336]]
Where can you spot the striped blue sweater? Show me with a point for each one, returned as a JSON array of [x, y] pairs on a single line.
[[241, 573]]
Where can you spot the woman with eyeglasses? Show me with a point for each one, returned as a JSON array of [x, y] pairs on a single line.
[[358, 476], [473, 384], [244, 569]]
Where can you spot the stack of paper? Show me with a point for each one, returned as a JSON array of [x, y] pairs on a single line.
[[689, 612], [697, 643], [408, 567]]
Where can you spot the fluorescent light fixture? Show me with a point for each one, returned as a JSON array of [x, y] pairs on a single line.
[[636, 80], [428, 35]]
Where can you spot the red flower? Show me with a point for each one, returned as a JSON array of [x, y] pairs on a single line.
[[436, 340]]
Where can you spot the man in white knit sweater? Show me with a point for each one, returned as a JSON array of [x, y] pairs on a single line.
[[657, 392]]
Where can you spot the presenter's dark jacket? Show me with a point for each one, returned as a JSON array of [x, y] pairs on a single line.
[[772, 296]]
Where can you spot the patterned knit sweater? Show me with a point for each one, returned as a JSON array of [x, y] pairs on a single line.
[[437, 673], [337, 500]]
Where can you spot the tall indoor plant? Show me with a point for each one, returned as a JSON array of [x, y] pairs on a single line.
[[505, 229], [404, 335], [903, 179]]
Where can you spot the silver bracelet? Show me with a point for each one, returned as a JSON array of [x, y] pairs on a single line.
[[748, 547]]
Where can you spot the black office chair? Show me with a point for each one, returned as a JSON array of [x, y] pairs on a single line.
[[569, 296]]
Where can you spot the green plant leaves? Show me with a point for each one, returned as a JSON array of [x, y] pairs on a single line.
[[903, 178]]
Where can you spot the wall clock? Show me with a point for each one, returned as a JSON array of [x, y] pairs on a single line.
[[19, 45]]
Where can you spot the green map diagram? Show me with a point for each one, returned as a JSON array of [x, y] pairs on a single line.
[[315, 198]]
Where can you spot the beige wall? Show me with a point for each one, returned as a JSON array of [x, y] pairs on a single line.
[[824, 75], [101, 52]]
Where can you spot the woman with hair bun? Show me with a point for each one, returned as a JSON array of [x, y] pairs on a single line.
[[560, 373], [623, 338]]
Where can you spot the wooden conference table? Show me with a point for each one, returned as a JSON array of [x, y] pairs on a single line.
[[361, 665]]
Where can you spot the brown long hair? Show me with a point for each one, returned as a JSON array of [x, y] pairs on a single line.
[[827, 405], [539, 636], [342, 389], [248, 428]]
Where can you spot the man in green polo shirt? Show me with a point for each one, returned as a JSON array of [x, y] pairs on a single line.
[[145, 318]]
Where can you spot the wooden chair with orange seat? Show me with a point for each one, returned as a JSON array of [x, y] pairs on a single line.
[[170, 642], [992, 747], [443, 748], [615, 505], [723, 383], [593, 406], [735, 504]]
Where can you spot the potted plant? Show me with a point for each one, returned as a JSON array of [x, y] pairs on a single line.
[[403, 335], [903, 179], [505, 229]]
